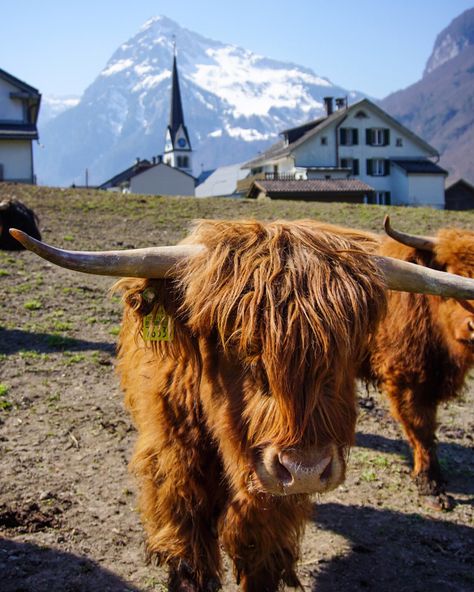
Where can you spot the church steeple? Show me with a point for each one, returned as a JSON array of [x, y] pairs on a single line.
[[178, 146]]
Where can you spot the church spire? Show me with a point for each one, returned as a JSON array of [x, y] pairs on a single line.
[[177, 146]]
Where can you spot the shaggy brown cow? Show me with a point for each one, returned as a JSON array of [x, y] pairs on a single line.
[[247, 404], [424, 347]]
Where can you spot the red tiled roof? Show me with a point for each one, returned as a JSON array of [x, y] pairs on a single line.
[[312, 185]]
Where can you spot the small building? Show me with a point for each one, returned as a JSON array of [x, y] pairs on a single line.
[[221, 182], [19, 108], [343, 190], [459, 195], [356, 142], [151, 178]]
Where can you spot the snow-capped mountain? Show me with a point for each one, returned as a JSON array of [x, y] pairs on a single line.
[[235, 103]]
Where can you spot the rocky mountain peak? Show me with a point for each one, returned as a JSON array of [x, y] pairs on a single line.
[[452, 40]]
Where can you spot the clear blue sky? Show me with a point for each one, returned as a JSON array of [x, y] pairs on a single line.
[[376, 46]]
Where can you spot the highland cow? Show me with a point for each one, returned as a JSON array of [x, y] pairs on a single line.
[[14, 214], [238, 355], [424, 347]]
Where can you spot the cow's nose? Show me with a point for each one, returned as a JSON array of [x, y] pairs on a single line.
[[293, 470], [309, 467], [470, 325]]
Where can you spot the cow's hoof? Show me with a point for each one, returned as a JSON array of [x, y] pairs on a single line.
[[441, 502]]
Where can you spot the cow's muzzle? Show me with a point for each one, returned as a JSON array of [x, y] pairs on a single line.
[[290, 471]]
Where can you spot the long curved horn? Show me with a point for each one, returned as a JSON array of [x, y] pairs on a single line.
[[409, 277], [153, 262], [425, 243]]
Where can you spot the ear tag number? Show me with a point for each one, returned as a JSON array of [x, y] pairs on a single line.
[[158, 326]]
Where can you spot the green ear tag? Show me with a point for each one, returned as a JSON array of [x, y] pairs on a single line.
[[158, 326]]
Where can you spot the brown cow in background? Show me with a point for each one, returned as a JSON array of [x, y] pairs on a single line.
[[247, 404], [424, 347]]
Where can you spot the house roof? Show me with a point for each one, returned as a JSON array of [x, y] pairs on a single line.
[[419, 166], [127, 174], [294, 137], [459, 182], [296, 186], [19, 83]]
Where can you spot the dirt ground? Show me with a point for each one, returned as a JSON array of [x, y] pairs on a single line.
[[68, 519]]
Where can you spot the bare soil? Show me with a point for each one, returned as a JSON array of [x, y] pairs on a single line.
[[68, 519]]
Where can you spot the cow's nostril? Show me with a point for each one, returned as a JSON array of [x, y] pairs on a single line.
[[281, 472], [326, 474], [470, 325]]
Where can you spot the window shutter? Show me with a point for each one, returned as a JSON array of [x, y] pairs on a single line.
[[388, 198], [355, 136], [386, 137], [355, 166], [343, 163], [386, 170], [369, 166], [368, 136], [343, 136]]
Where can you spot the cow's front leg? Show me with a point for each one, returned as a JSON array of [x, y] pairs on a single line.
[[417, 414], [179, 507], [262, 535]]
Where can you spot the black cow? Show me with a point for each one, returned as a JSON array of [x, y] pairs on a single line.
[[14, 214]]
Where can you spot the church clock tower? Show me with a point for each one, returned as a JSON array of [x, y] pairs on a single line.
[[177, 144]]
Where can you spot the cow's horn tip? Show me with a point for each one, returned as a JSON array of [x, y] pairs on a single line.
[[386, 222], [18, 234]]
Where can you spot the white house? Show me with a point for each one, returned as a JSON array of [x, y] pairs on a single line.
[[359, 142], [19, 108], [152, 178], [221, 182]]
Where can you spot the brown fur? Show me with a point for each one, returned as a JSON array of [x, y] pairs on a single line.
[[271, 324], [419, 357]]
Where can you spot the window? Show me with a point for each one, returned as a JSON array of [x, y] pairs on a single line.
[[324, 141], [377, 136], [361, 115], [1, 171], [182, 162], [378, 167], [399, 142], [348, 136], [382, 198], [351, 163]]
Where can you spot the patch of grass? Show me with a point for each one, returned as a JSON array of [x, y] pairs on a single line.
[[368, 475], [27, 354], [62, 326], [4, 272], [33, 305], [74, 358], [5, 405], [114, 331], [68, 238]]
